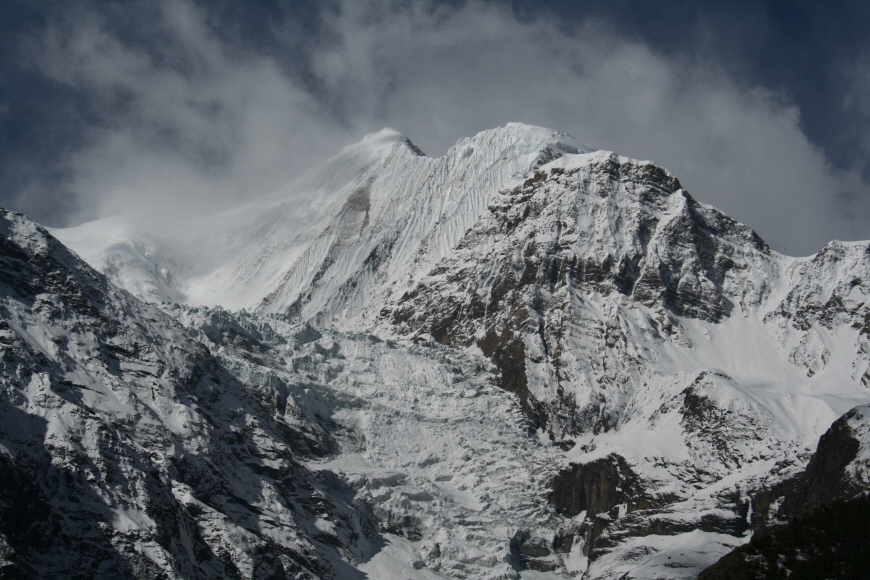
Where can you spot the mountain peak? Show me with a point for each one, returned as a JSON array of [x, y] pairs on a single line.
[[385, 136], [522, 137], [528, 137], [521, 147], [385, 139]]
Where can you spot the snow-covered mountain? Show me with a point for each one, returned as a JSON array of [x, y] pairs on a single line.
[[524, 358]]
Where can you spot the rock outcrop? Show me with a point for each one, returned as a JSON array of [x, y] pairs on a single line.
[[819, 527]]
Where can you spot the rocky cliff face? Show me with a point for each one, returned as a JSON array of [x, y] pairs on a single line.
[[621, 312], [545, 277], [838, 469], [829, 543], [129, 451]]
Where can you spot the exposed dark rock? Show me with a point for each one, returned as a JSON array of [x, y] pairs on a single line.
[[416, 150], [831, 542], [820, 523], [308, 334], [531, 553], [510, 360], [598, 488], [824, 480]]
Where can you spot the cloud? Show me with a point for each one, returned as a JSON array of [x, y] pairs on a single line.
[[183, 122], [193, 120]]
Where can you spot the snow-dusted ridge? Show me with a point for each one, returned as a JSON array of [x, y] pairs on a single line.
[[659, 367]]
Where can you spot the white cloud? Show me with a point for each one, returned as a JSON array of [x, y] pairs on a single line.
[[221, 122], [189, 125]]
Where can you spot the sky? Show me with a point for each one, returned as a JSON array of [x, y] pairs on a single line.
[[171, 108]]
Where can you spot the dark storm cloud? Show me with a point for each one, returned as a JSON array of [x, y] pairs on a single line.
[[174, 106]]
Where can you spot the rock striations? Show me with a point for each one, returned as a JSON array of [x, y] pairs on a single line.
[[522, 359]]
